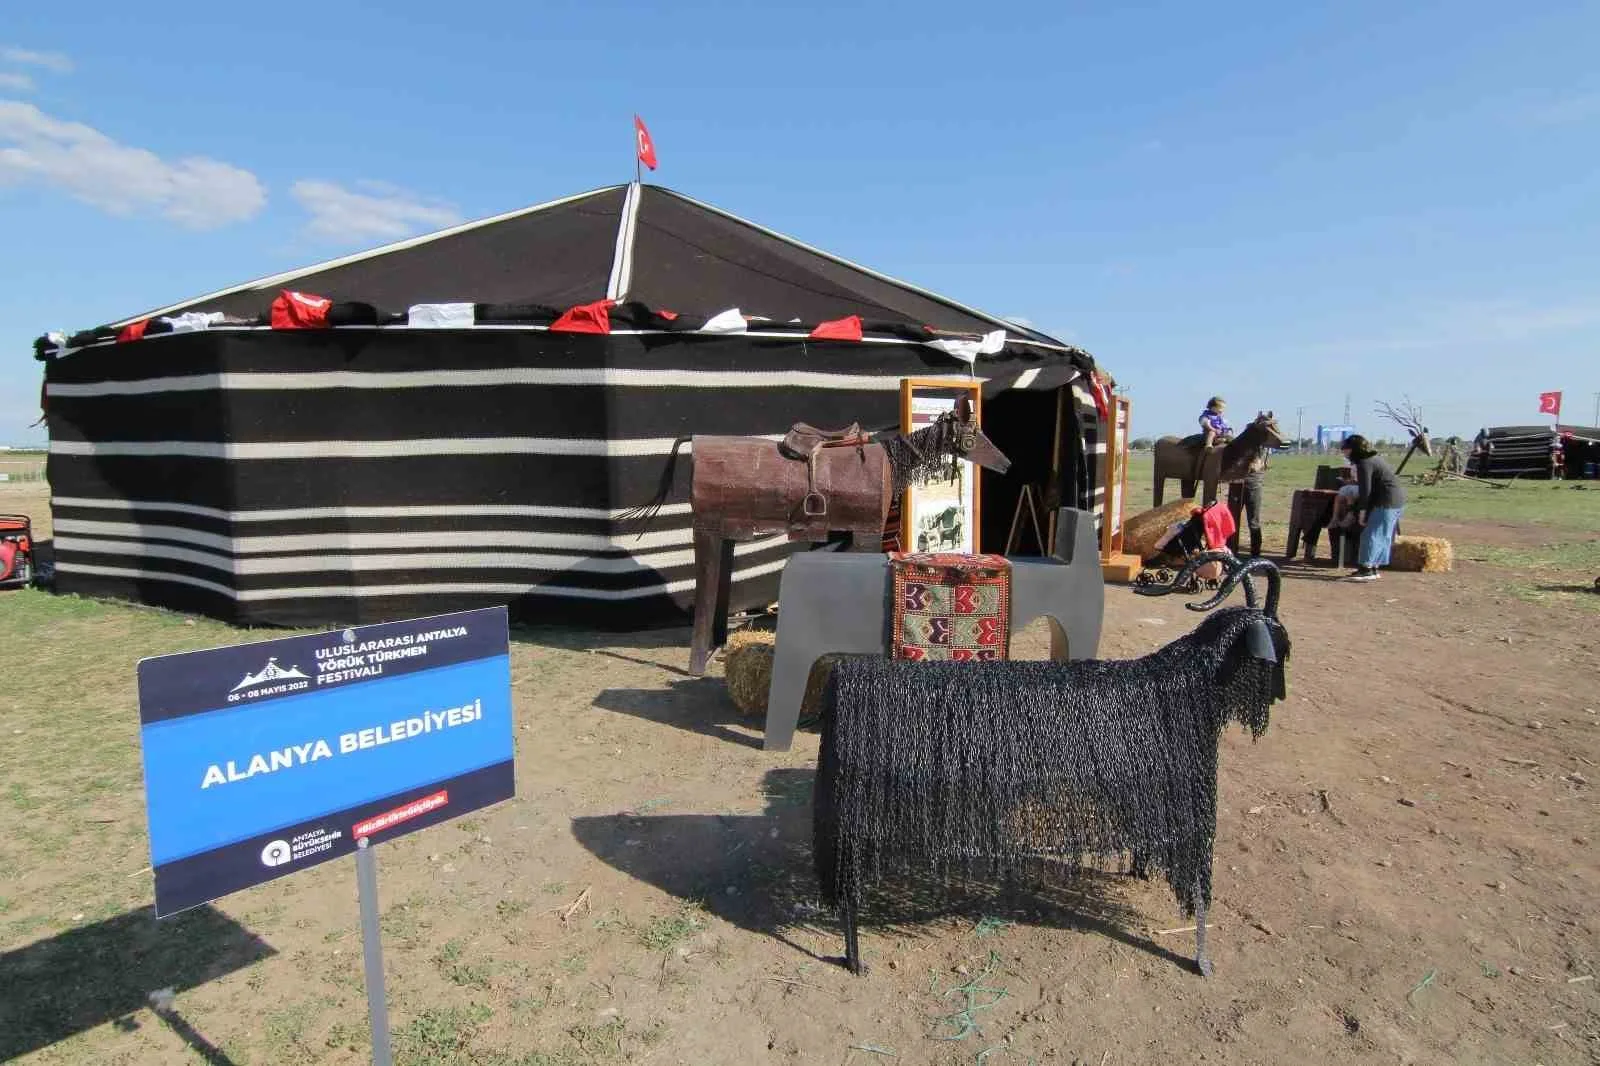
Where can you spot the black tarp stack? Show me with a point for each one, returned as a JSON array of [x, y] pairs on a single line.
[[1528, 451]]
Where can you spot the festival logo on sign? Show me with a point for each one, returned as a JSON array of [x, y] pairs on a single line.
[[271, 672]]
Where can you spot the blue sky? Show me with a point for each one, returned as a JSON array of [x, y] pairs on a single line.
[[1281, 203]]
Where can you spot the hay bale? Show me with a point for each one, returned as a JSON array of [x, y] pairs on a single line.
[[1140, 533], [1429, 555], [747, 670]]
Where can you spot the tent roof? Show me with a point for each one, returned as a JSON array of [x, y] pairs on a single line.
[[636, 242]]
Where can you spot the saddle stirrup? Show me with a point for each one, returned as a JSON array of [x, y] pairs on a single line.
[[815, 504]]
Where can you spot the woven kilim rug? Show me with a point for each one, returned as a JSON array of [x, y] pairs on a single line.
[[951, 606]]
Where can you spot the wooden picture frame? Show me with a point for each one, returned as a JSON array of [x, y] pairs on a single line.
[[924, 524], [1119, 422]]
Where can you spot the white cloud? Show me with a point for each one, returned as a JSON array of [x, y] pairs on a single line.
[[16, 83], [23, 57], [1471, 325], [1579, 108], [378, 211], [195, 192]]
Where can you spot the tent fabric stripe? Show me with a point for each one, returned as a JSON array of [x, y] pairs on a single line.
[[411, 590], [443, 511], [622, 260], [302, 563], [621, 377], [404, 447], [425, 540]]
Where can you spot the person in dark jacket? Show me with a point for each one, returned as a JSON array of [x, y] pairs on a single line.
[[1378, 506]]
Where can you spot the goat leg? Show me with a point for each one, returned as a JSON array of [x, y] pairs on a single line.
[[852, 941], [1201, 960]]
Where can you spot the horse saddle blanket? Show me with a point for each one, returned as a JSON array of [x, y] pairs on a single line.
[[746, 487], [802, 440], [950, 606]]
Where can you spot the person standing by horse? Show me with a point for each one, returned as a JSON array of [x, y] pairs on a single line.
[[1254, 482], [1379, 504]]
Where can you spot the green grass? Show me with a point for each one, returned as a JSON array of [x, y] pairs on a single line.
[[440, 1036], [668, 931]]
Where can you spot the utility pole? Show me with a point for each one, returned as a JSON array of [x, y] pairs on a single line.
[[1299, 419], [1347, 408], [1597, 409]]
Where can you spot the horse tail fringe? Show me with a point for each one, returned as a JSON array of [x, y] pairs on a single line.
[[639, 518]]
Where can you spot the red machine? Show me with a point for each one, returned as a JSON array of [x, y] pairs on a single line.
[[16, 551]]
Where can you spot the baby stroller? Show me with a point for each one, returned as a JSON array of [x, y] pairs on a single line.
[[16, 551], [1207, 530]]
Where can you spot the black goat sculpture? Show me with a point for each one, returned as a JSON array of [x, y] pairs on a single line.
[[1015, 768]]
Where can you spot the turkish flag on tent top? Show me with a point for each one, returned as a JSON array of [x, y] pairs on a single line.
[[647, 148], [1550, 403]]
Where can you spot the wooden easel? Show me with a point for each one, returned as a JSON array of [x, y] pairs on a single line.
[[1027, 499]]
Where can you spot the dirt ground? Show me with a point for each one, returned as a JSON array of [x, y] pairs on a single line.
[[1406, 871]]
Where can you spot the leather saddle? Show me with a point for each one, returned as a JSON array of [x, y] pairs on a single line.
[[803, 442]]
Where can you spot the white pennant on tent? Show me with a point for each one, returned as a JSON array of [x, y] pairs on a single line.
[[441, 316], [194, 321], [968, 350], [729, 321]]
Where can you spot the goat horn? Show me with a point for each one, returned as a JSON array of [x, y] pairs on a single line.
[[1274, 582], [1230, 580]]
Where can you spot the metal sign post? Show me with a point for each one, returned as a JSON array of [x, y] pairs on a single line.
[[372, 951]]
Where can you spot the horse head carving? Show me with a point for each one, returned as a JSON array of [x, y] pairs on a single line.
[[954, 435], [1267, 426]]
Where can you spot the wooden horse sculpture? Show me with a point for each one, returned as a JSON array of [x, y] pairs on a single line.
[[1222, 463], [811, 485]]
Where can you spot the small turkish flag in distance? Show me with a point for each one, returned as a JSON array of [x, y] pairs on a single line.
[[1550, 403], [647, 148]]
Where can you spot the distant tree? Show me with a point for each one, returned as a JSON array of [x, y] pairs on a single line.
[[1141, 444]]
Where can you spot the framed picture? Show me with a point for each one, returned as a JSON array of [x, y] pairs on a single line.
[[942, 514]]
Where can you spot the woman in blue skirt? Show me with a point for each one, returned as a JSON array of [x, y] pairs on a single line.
[[1379, 504]]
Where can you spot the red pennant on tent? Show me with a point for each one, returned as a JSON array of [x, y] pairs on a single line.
[[133, 331], [647, 147], [585, 318], [839, 329], [299, 310]]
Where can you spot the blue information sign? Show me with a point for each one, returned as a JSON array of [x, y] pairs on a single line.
[[263, 759]]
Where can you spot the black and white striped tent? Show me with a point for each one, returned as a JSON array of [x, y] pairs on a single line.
[[460, 419]]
